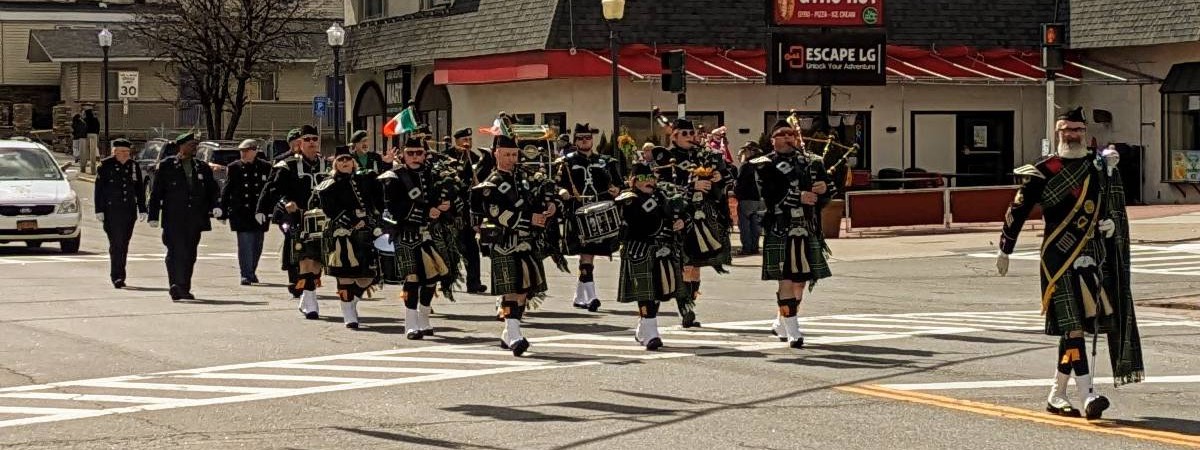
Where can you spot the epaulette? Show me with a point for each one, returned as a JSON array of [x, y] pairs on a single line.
[[484, 185], [761, 160], [387, 174], [325, 184], [626, 196], [282, 164]]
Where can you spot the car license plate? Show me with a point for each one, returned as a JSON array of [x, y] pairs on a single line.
[[23, 225]]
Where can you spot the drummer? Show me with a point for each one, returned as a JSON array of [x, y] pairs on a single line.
[[589, 178]]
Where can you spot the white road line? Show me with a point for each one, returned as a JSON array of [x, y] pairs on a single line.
[[672, 341], [40, 411], [176, 387], [988, 325], [91, 397], [1026, 383], [265, 377], [493, 362], [380, 369]]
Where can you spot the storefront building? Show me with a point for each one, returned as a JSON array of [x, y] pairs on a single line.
[[964, 94]]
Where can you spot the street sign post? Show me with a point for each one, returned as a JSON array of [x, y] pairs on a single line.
[[320, 103], [127, 84]]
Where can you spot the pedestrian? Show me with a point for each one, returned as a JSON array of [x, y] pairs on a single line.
[[719, 144], [651, 257], [795, 186], [750, 207], [120, 198], [78, 136], [245, 181], [92, 124], [183, 197], [647, 155], [1084, 262]]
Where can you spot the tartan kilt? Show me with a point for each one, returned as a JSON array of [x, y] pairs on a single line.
[[637, 280], [287, 257], [724, 257], [313, 249], [409, 244], [445, 241], [509, 270], [774, 248], [1065, 312], [350, 257]]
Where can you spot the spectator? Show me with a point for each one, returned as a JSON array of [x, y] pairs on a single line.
[[750, 208], [717, 143], [78, 136], [93, 140], [647, 153]]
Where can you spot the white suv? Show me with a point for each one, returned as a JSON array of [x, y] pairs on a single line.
[[37, 203]]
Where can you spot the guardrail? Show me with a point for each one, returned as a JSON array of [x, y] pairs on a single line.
[[933, 206]]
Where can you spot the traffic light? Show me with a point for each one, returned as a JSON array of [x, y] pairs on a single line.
[[673, 77], [1053, 38]]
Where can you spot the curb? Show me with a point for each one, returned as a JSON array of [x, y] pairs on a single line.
[[1193, 306]]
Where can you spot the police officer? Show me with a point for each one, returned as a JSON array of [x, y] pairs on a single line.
[[185, 194], [247, 176], [120, 198]]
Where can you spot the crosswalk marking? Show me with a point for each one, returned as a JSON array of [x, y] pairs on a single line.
[[1183, 259], [227, 383]]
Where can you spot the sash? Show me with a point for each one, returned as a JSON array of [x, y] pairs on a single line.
[[1063, 245]]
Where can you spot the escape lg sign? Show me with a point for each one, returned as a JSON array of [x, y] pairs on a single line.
[[827, 13], [828, 59]]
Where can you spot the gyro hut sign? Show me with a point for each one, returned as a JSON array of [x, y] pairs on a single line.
[[828, 13], [828, 59]]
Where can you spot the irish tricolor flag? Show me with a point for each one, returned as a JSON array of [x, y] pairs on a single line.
[[404, 122]]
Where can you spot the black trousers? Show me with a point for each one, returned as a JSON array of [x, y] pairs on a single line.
[[182, 243], [470, 254], [118, 226]]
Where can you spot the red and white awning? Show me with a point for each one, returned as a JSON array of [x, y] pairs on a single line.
[[638, 62]]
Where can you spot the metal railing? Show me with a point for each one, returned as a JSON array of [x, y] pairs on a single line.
[[265, 118]]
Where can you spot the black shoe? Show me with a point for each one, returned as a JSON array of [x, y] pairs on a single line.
[[427, 332], [254, 279], [797, 344], [311, 315], [503, 345], [689, 321], [654, 344], [245, 282], [174, 290], [776, 334], [352, 325], [594, 305], [1094, 409], [580, 305], [519, 347], [414, 335], [187, 296], [118, 284], [1067, 411], [477, 289]]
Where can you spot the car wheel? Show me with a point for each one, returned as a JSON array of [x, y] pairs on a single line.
[[70, 245], [33, 244]]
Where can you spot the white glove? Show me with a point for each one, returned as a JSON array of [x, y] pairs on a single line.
[[217, 212], [143, 217], [1002, 263], [261, 218], [100, 217], [1108, 227], [153, 223]]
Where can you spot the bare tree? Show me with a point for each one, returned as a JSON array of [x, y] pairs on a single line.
[[214, 48]]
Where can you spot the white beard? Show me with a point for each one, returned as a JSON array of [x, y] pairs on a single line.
[[1072, 149]]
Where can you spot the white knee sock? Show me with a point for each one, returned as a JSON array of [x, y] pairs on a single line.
[[350, 311], [308, 301]]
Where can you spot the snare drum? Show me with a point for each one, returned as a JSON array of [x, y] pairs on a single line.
[[313, 225], [388, 272], [597, 222]]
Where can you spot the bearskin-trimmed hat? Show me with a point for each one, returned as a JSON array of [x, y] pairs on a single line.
[[462, 133], [683, 124], [780, 125], [358, 136], [502, 141], [1073, 115], [308, 130]]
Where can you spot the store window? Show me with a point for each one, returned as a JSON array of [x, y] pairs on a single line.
[[524, 119], [846, 127], [371, 9], [643, 128], [266, 87], [557, 121], [1183, 136]]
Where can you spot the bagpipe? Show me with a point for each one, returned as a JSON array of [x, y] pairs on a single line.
[[795, 213], [544, 191]]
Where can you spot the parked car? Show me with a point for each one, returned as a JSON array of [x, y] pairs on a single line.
[[218, 155], [37, 202], [152, 153]]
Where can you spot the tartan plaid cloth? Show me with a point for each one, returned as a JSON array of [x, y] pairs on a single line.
[[312, 249], [775, 257], [1065, 311], [517, 273], [445, 241], [338, 261], [638, 267], [720, 228]]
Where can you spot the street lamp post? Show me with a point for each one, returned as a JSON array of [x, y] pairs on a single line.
[[105, 37], [337, 38], [614, 11]]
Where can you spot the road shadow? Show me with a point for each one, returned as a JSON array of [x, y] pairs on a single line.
[[574, 328], [612, 408], [145, 289], [840, 361], [975, 339], [204, 301], [47, 249], [413, 440], [270, 285], [507, 414], [664, 398], [875, 350], [1185, 426]]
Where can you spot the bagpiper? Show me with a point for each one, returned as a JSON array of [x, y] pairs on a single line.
[[651, 257], [794, 186], [352, 203], [477, 165], [412, 205], [517, 271], [289, 198], [1084, 262], [588, 177]]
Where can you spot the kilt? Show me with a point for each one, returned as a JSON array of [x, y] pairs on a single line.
[[646, 277], [1065, 312], [445, 241], [719, 229], [351, 257], [776, 261], [411, 248], [519, 272], [308, 249]]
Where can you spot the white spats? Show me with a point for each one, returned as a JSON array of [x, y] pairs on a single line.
[[1086, 388], [423, 318], [647, 333], [411, 322], [512, 331], [581, 295], [589, 291], [777, 328], [1057, 400], [350, 312], [791, 326], [308, 302]]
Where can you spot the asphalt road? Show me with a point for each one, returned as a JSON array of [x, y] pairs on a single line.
[[85, 366]]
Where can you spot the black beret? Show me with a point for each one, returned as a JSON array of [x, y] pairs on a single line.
[[293, 134], [185, 138], [583, 128], [415, 142], [504, 142], [308, 130], [1074, 115], [120, 142], [780, 125], [641, 169], [358, 136], [683, 124], [462, 133]]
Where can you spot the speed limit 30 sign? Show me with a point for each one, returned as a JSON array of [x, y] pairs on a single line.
[[127, 84]]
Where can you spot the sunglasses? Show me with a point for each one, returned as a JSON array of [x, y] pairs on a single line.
[[686, 132], [310, 139], [583, 138], [414, 152], [643, 178]]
